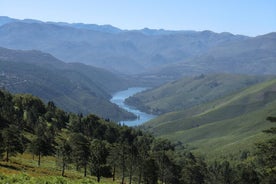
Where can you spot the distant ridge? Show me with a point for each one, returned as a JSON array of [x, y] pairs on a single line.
[[145, 51], [73, 86]]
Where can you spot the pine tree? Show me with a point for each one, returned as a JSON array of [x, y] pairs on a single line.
[[267, 154], [12, 141]]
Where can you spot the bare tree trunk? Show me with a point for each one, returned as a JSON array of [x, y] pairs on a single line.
[[98, 175], [130, 172], [123, 169], [7, 156], [85, 170], [140, 176], [63, 169], [114, 170], [39, 155]]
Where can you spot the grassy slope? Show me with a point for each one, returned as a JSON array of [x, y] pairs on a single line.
[[224, 126], [24, 169], [188, 92]]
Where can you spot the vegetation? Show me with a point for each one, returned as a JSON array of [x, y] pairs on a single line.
[[73, 87], [191, 91], [226, 126], [93, 146]]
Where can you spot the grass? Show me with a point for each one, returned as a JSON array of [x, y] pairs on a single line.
[[23, 169], [188, 92], [224, 127]]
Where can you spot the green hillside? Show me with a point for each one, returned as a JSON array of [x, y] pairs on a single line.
[[222, 127], [74, 87], [191, 91]]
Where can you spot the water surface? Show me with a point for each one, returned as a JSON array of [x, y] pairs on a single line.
[[119, 99]]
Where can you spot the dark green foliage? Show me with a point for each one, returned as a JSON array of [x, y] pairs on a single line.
[[150, 171], [81, 150], [107, 149], [248, 174], [99, 153], [266, 153], [161, 150], [64, 153], [194, 170], [43, 142], [12, 141]]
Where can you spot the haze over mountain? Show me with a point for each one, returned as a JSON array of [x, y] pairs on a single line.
[[124, 51], [164, 53], [256, 55], [75, 87]]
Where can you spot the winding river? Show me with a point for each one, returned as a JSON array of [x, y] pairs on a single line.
[[119, 99]]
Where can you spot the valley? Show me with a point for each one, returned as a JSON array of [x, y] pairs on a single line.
[[197, 102]]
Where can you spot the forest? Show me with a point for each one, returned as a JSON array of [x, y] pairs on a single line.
[[101, 148]]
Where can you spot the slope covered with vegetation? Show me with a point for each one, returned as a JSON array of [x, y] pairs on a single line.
[[75, 87], [224, 126], [190, 91], [56, 147]]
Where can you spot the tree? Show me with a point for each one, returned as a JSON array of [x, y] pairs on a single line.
[[7, 110], [266, 153], [150, 171], [248, 175], [160, 148], [12, 141], [64, 152], [113, 158], [194, 170], [143, 145], [43, 142], [55, 116], [98, 157], [81, 150]]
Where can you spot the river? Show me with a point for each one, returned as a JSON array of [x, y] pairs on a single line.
[[119, 99]]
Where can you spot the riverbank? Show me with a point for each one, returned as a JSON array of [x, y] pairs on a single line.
[[119, 99]]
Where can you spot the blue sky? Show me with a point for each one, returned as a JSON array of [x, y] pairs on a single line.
[[247, 17]]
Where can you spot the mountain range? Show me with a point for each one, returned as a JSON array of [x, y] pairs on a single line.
[[123, 51]]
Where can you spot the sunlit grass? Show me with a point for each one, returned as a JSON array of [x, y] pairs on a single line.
[[24, 169]]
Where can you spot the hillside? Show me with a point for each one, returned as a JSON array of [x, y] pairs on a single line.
[[134, 51], [41, 143], [190, 91], [228, 125], [251, 56], [75, 87]]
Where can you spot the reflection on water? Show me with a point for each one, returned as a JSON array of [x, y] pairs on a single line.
[[119, 98]]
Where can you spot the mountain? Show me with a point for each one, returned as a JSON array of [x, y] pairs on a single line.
[[73, 86], [95, 27], [224, 126], [132, 52], [190, 91], [255, 55]]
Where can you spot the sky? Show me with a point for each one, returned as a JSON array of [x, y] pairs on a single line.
[[246, 17]]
